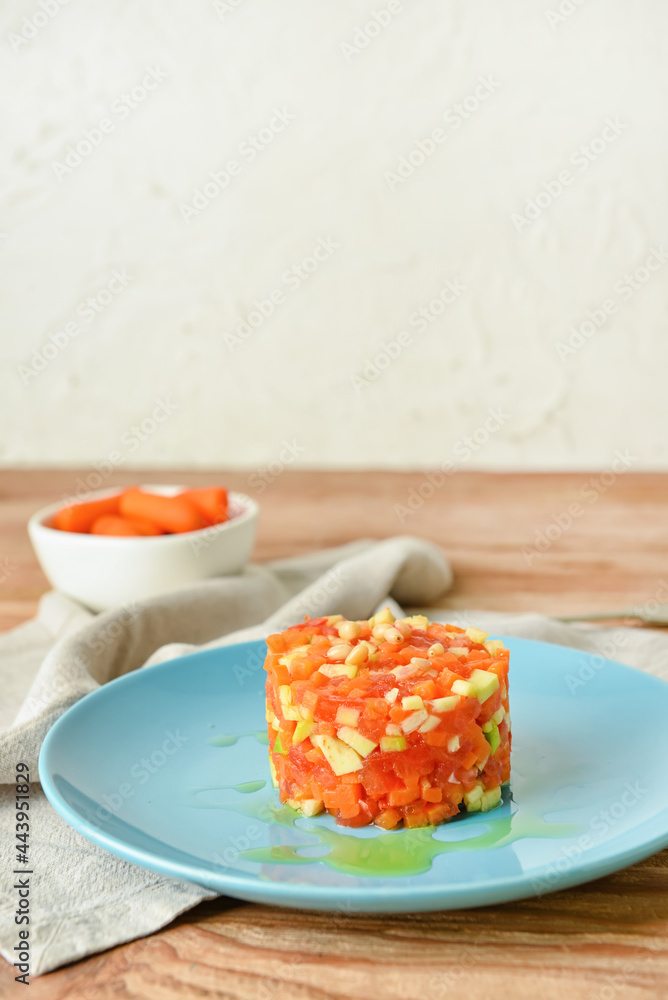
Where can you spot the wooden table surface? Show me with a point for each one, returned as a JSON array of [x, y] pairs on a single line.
[[604, 940]]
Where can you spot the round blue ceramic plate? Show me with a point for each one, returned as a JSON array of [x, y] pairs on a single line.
[[167, 767]]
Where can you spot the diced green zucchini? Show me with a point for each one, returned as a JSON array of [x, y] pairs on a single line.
[[493, 737]]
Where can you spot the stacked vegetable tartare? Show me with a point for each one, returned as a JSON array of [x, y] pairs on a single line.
[[387, 720]]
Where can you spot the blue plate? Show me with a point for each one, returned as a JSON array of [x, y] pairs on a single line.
[[167, 767]]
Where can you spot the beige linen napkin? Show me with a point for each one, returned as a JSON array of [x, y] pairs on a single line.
[[84, 899]]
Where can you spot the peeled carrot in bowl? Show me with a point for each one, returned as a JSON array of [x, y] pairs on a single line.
[[211, 501], [111, 524], [145, 527], [174, 514], [80, 516], [135, 512]]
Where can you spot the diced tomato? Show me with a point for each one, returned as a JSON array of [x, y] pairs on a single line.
[[447, 677], [413, 763], [406, 654], [376, 707], [378, 777], [490, 707], [499, 667], [492, 773]]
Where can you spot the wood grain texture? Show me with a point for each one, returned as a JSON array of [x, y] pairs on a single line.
[[604, 941]]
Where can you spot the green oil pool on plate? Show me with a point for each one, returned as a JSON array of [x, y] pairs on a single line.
[[392, 854]]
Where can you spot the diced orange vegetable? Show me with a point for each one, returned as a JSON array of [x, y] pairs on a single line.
[[402, 796], [416, 819], [432, 794], [436, 814], [276, 643], [426, 689], [388, 819], [436, 738]]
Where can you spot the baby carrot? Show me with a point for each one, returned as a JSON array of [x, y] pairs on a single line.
[[211, 501], [80, 516], [174, 514], [145, 527], [110, 524]]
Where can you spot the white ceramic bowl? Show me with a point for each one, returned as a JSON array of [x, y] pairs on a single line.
[[104, 572]]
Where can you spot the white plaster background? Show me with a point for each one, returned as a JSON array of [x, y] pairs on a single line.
[[325, 176]]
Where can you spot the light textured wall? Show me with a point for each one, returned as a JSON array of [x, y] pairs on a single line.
[[499, 165]]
